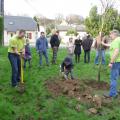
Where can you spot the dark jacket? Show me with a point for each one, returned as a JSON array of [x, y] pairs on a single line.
[[27, 52], [41, 44], [67, 64], [78, 44], [54, 41], [98, 44], [87, 43]]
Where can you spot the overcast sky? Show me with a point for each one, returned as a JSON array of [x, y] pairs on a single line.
[[50, 8]]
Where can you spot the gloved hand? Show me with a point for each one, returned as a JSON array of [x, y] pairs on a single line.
[[66, 77]]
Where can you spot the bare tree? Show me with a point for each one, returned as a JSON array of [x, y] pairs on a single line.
[[59, 18], [74, 19]]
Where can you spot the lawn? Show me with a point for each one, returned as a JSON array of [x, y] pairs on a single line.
[[37, 103]]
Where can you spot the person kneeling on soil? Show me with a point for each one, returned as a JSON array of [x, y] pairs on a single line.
[[67, 67]]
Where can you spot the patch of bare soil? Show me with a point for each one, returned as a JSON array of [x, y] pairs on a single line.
[[74, 88], [83, 91], [97, 85]]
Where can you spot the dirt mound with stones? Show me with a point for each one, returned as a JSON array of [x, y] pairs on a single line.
[[75, 88], [82, 91]]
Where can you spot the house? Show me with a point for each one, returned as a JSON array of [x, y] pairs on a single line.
[[12, 25], [63, 28]]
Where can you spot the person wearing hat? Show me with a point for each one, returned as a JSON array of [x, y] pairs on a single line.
[[114, 63], [27, 56], [67, 68]]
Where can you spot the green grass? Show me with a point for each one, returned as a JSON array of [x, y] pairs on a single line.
[[37, 103]]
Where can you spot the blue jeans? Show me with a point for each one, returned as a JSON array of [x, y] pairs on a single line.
[[100, 54], [45, 55], [16, 68], [115, 72]]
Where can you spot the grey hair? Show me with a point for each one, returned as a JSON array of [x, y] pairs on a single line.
[[116, 32]]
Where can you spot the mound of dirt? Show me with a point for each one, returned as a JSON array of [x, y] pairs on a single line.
[[82, 90], [97, 85], [75, 88]]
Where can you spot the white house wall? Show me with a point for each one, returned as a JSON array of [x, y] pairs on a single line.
[[33, 40], [7, 36]]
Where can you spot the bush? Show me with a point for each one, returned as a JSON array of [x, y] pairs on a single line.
[[72, 32], [1, 29]]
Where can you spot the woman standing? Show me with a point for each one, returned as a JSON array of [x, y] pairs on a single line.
[[70, 47], [77, 51]]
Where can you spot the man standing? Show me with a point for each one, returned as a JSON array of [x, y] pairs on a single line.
[[114, 62], [86, 44], [100, 49], [55, 42], [16, 47], [41, 47]]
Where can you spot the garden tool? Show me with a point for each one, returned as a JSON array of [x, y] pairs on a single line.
[[21, 85]]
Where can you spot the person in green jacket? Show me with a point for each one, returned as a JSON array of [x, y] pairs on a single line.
[[15, 49]]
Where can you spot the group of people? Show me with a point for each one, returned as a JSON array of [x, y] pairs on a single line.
[[19, 48], [42, 46], [75, 47]]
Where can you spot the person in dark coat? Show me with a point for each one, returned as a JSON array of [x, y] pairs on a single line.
[[27, 56], [77, 51], [67, 68], [55, 42], [86, 44]]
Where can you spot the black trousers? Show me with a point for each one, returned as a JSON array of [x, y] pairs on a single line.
[[77, 58], [87, 56]]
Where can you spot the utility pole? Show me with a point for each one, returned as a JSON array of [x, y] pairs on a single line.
[[2, 15], [2, 7]]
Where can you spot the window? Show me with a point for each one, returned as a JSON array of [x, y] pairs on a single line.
[[11, 23], [29, 35]]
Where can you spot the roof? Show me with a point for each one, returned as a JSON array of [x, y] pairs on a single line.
[[63, 28], [67, 27], [14, 23]]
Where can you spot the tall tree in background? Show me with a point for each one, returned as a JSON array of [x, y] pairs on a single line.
[[108, 18], [117, 25], [46, 22], [92, 22], [106, 21], [37, 21]]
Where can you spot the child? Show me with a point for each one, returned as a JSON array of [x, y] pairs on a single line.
[[67, 67], [27, 56], [70, 47]]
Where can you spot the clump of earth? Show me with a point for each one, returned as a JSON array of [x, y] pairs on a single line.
[[84, 91]]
